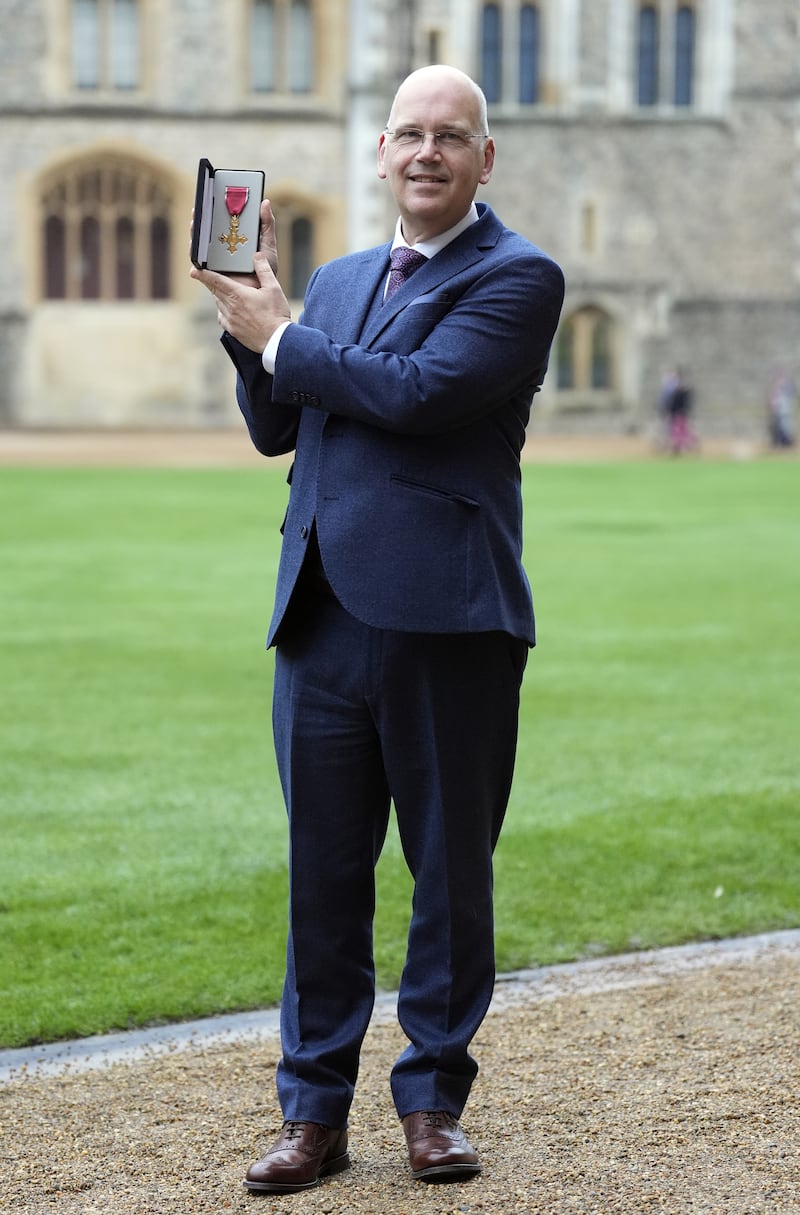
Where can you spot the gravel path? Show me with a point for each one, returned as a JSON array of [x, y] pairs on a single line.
[[654, 1083], [231, 448]]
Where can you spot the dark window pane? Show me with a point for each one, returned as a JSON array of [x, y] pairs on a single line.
[[89, 187], [565, 356], [55, 278], [491, 52], [301, 257], [601, 354], [648, 55], [529, 54], [301, 47], [124, 44], [684, 55], [262, 46], [160, 259], [85, 44], [90, 258], [126, 286]]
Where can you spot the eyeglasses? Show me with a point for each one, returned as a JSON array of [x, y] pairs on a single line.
[[445, 141]]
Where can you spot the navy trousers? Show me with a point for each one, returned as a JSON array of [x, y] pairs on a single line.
[[362, 718]]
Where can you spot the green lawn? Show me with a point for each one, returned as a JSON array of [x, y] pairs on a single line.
[[142, 834]]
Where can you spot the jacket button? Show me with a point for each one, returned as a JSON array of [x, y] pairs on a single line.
[[304, 532]]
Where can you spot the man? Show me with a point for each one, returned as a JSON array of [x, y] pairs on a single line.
[[402, 616]]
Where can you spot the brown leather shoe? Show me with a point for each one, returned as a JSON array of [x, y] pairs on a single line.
[[438, 1149], [303, 1153]]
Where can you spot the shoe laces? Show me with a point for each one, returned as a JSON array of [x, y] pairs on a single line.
[[293, 1130]]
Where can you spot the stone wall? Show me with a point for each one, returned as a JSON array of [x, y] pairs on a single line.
[[683, 226]]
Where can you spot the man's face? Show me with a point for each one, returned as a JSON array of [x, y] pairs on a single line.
[[433, 184]]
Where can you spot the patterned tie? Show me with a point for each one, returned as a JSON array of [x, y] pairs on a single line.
[[404, 262]]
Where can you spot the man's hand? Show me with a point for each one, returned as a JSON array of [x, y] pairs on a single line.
[[251, 306]]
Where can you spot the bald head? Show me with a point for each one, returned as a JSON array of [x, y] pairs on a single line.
[[441, 79]]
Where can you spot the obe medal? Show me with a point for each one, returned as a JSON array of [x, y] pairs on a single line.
[[235, 200]]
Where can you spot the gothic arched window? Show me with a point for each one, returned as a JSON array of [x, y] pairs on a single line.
[[106, 232], [585, 352], [297, 236]]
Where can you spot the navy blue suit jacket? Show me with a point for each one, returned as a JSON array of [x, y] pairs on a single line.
[[407, 421]]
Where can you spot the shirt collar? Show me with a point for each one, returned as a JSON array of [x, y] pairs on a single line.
[[431, 247]]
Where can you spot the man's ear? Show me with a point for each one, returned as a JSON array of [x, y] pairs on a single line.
[[382, 155], [488, 161]]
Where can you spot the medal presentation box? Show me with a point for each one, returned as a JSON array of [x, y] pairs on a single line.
[[226, 218]]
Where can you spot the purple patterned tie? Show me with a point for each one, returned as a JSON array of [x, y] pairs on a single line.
[[404, 262]]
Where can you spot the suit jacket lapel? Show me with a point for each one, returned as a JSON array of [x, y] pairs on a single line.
[[456, 257]]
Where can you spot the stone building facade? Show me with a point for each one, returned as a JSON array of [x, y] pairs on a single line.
[[651, 146]]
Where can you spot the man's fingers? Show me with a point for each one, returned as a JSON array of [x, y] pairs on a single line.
[[212, 281]]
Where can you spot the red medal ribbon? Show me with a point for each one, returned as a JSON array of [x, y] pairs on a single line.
[[236, 199]]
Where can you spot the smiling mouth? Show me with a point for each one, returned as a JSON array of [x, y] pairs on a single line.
[[426, 180]]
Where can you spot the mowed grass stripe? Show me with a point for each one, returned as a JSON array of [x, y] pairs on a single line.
[[142, 867]]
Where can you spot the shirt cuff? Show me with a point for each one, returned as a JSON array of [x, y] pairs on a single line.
[[270, 352]]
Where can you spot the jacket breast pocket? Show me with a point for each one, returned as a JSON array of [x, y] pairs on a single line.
[[434, 299]]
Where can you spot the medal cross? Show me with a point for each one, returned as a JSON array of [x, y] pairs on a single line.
[[232, 239]]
